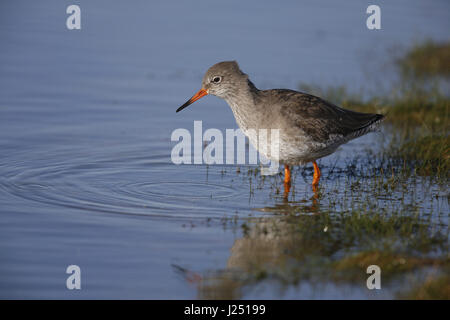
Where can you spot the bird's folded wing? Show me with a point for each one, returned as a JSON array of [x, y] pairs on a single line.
[[319, 119]]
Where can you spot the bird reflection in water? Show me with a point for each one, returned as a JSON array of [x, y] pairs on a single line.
[[268, 243]]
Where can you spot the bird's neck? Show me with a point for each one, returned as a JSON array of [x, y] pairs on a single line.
[[243, 96], [243, 103]]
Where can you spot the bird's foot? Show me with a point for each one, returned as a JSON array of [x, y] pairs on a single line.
[[315, 188], [287, 188]]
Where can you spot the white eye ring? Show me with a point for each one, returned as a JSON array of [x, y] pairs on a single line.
[[216, 79]]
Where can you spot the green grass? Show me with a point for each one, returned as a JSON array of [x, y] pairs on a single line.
[[417, 112], [427, 59], [435, 288], [429, 153], [420, 134], [431, 112]]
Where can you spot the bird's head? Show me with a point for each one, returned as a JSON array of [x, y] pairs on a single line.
[[222, 80]]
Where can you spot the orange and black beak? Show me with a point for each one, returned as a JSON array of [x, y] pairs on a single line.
[[201, 93]]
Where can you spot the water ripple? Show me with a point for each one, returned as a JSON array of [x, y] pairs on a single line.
[[129, 186]]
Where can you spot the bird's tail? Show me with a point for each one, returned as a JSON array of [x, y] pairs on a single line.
[[370, 125]]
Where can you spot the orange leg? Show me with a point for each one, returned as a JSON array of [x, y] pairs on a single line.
[[287, 174], [316, 174], [287, 179]]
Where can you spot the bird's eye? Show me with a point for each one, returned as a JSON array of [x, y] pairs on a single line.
[[216, 79]]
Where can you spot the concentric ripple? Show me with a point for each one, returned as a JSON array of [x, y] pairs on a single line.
[[133, 185]]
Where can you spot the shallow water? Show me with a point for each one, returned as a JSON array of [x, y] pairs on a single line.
[[85, 124]]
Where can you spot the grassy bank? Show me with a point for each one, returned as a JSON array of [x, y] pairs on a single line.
[[417, 109]]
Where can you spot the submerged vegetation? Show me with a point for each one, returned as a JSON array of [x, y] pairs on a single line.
[[434, 288], [361, 219]]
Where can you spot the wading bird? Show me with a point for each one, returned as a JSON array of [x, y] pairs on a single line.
[[309, 127]]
